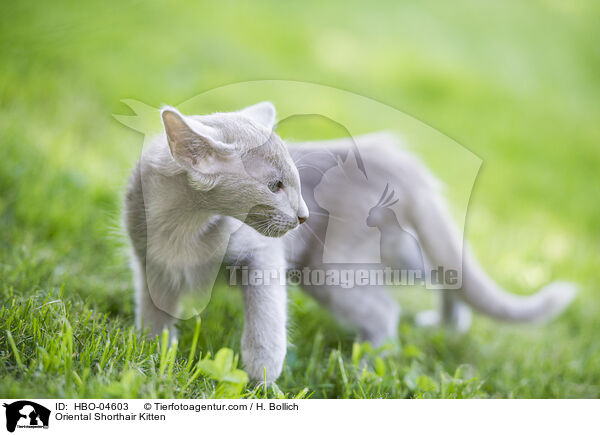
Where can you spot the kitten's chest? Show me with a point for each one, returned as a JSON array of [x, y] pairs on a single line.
[[191, 242]]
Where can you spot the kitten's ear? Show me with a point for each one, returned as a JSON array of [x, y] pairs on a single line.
[[263, 113], [191, 148]]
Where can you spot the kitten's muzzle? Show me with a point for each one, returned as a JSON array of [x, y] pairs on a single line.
[[270, 222]]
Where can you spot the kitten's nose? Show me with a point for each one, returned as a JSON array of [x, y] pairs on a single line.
[[302, 211]]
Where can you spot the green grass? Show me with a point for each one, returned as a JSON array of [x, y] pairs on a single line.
[[515, 83]]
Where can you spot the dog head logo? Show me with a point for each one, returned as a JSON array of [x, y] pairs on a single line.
[[26, 414]]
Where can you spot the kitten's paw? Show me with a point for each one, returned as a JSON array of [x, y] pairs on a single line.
[[428, 319], [262, 367], [462, 318], [460, 321]]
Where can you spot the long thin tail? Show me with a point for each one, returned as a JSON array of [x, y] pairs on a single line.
[[441, 243]]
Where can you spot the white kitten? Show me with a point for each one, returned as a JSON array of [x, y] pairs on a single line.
[[224, 188]]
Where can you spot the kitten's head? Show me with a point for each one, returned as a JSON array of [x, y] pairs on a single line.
[[242, 167]]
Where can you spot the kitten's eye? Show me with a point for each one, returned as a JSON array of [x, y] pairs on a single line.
[[275, 186]]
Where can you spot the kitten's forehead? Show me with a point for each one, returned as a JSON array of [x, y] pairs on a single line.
[[272, 157], [263, 152], [233, 128]]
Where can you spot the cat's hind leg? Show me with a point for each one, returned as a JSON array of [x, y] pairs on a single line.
[[399, 249], [452, 313], [369, 309]]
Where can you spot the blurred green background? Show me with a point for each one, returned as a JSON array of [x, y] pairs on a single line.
[[517, 83]]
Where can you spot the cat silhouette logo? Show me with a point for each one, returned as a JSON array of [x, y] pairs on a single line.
[[381, 223], [26, 414]]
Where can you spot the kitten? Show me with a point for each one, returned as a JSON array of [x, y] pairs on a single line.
[[224, 187]]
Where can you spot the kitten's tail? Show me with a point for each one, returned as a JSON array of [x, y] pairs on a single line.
[[441, 243]]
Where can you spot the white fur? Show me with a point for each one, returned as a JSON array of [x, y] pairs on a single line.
[[203, 193]]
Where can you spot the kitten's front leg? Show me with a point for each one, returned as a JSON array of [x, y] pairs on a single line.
[[148, 314], [264, 335]]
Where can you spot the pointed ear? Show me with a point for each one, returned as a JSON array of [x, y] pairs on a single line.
[[263, 113], [189, 147]]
